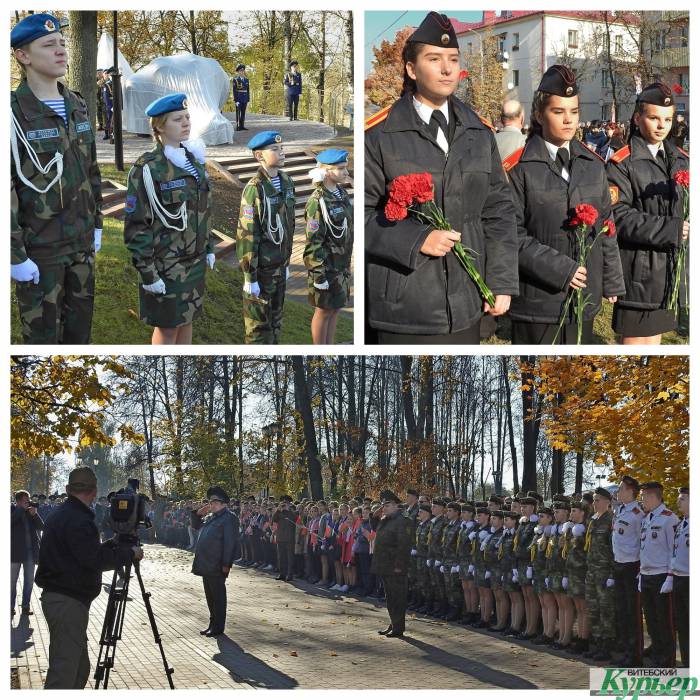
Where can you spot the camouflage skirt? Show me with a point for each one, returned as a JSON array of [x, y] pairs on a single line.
[[555, 583], [335, 297], [523, 580], [508, 584], [464, 572], [538, 577], [184, 297], [576, 587], [496, 581]]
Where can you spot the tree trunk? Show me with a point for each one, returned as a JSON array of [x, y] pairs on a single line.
[[82, 49], [531, 428], [578, 486]]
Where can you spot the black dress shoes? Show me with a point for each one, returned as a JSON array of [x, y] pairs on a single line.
[[386, 631]]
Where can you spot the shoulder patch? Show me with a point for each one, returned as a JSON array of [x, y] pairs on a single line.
[[687, 155], [587, 147], [614, 199], [130, 203], [312, 225], [636, 510], [666, 512], [620, 155], [513, 159], [377, 118], [487, 123]]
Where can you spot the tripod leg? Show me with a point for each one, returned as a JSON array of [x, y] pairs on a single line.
[[111, 632], [154, 627]]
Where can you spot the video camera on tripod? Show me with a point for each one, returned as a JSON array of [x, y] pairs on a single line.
[[127, 511]]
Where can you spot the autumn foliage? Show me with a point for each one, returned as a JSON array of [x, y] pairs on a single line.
[[384, 83]]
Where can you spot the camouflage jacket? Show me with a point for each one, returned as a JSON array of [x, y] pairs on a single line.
[[575, 555], [598, 546], [435, 537], [449, 542], [422, 539], [538, 552], [505, 552], [524, 535], [493, 563], [555, 561], [155, 249], [254, 246], [464, 544], [325, 256], [61, 221]]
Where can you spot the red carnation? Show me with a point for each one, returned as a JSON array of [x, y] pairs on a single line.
[[423, 187], [682, 178], [608, 228], [401, 191], [678, 89], [463, 75], [395, 211], [586, 215]]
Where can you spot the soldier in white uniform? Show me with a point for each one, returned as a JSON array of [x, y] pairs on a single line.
[[656, 581], [680, 567], [627, 526]]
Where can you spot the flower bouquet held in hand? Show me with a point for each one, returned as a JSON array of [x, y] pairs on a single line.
[[415, 194], [585, 216], [682, 180]]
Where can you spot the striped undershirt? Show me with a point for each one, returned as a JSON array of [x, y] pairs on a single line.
[[58, 106], [276, 182], [191, 170], [336, 193]]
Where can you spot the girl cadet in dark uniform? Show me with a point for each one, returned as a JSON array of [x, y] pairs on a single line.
[[418, 292], [549, 176], [167, 227], [648, 210]]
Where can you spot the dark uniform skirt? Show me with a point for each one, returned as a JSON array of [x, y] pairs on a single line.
[[335, 297], [469, 336], [636, 323], [184, 297], [525, 333]]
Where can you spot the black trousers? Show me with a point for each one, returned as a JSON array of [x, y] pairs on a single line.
[[293, 106], [240, 115], [469, 336], [681, 615], [628, 614], [215, 592], [658, 612], [396, 591], [285, 558], [524, 333]]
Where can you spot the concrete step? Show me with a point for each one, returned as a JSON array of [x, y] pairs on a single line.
[[236, 165]]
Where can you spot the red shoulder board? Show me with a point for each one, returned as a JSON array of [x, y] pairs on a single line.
[[513, 159], [487, 123], [585, 145], [636, 510], [666, 512], [377, 118], [687, 155], [620, 155]]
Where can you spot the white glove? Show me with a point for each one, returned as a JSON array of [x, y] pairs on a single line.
[[470, 570], [25, 271], [528, 572], [238, 104], [414, 552], [321, 285], [578, 530], [211, 259], [472, 535], [429, 563], [443, 570], [286, 273], [667, 586], [98, 239], [639, 582], [515, 577], [565, 583], [438, 563], [252, 288], [455, 569], [158, 287], [488, 574], [610, 583], [546, 582]]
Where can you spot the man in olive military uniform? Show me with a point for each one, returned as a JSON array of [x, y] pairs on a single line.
[[680, 568], [241, 95], [411, 512], [293, 87], [286, 520], [438, 523], [421, 552], [600, 595], [656, 580], [450, 562], [56, 218], [264, 240], [392, 548]]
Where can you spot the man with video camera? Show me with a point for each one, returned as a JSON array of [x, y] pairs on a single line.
[[71, 562]]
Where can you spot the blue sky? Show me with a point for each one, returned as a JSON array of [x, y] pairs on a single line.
[[385, 24]]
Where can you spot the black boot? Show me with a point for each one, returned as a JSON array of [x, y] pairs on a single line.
[[452, 614]]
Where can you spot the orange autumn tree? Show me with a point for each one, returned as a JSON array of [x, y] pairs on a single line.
[[383, 84], [627, 412]]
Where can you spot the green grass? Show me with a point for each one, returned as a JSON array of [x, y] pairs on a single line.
[[116, 318], [108, 171]]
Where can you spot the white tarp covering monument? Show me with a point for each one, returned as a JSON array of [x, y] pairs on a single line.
[[105, 56], [202, 79]]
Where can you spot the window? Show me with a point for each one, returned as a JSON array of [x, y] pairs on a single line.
[[501, 43], [516, 78], [618, 43], [573, 39], [516, 41], [470, 48], [683, 36], [604, 78]]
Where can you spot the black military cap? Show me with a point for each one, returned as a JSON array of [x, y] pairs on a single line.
[[413, 492], [454, 505], [588, 497], [560, 498], [510, 514], [498, 514], [481, 504], [544, 510], [561, 505], [435, 30], [294, 63], [559, 80], [468, 507], [388, 496], [604, 493], [240, 66], [496, 499], [651, 485], [286, 498], [217, 493], [425, 507], [483, 509], [535, 495], [528, 501], [630, 481], [681, 489], [440, 502], [578, 504], [656, 94]]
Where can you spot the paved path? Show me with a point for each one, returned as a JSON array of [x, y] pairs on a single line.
[[281, 635], [299, 134]]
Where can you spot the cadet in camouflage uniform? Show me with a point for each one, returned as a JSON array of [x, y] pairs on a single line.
[[510, 570], [435, 552], [557, 570], [494, 563], [411, 512], [479, 544], [464, 552], [329, 237], [422, 547], [600, 594], [167, 227], [539, 551], [524, 535], [264, 240], [450, 561], [574, 581], [56, 217]]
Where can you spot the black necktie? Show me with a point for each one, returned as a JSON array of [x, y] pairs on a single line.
[[437, 119], [661, 157], [562, 159]]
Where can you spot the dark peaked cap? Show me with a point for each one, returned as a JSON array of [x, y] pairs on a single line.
[[436, 30], [559, 80]]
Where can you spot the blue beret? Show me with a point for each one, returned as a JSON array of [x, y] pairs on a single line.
[[33, 27], [264, 139], [240, 66], [169, 103], [332, 156]]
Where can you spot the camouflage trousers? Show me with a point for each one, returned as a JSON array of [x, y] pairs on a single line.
[[453, 587], [437, 582], [413, 573], [58, 310], [423, 578], [262, 315], [601, 606]]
